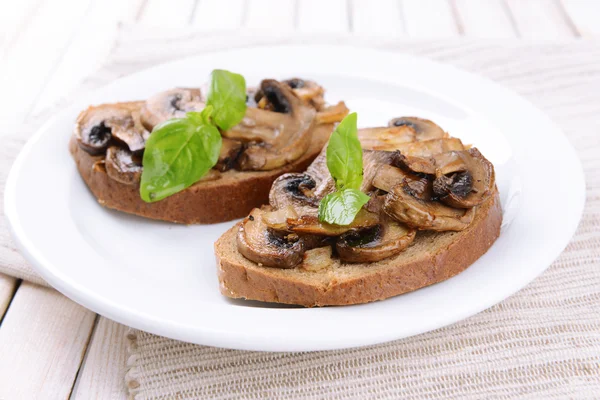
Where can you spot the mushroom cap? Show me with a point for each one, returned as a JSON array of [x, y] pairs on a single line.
[[293, 189], [172, 103], [375, 243], [122, 166], [424, 128], [97, 125], [265, 247], [290, 139], [481, 178], [403, 205]]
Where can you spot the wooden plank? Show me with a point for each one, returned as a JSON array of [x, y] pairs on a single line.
[[167, 13], [540, 19], [92, 42], [429, 18], [8, 286], [584, 15], [377, 18], [42, 341], [102, 375], [318, 16], [484, 19], [218, 15], [31, 60], [270, 15]]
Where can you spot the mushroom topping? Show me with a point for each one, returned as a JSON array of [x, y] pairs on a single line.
[[424, 128], [290, 139], [428, 148], [293, 189], [122, 166], [386, 138], [375, 243], [388, 177], [96, 126], [309, 92], [266, 247], [465, 184], [173, 103], [332, 114], [403, 204], [310, 224], [305, 90], [230, 151]]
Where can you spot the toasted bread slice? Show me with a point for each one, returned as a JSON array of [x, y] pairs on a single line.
[[322, 280], [233, 195]]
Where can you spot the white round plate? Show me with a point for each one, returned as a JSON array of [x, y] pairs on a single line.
[[161, 277]]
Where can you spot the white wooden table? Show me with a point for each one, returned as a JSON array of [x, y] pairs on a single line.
[[53, 348]]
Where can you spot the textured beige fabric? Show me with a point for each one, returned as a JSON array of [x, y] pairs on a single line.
[[543, 342]]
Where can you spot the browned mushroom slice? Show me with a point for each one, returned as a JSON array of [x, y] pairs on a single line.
[[403, 205], [386, 138], [429, 148], [230, 151], [375, 243], [468, 185], [304, 89], [332, 114], [293, 134], [424, 128], [265, 247], [96, 126], [389, 176], [122, 167], [293, 189], [310, 224], [173, 103]]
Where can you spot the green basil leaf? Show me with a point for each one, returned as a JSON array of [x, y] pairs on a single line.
[[345, 156], [227, 94], [178, 153], [340, 208]]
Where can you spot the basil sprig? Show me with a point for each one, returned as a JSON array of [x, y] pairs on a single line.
[[345, 164], [227, 94], [180, 151]]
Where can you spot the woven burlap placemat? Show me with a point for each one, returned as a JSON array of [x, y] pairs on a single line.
[[543, 342]]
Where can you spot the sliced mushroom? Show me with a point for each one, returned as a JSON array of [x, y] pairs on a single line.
[[263, 246], [389, 176], [431, 147], [230, 151], [375, 243], [173, 103], [96, 126], [122, 166], [310, 224], [403, 205], [293, 189], [424, 128], [292, 138], [304, 89], [309, 92], [386, 138], [332, 114], [466, 186]]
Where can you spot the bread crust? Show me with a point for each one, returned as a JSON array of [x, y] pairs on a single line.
[[231, 196], [433, 257]]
